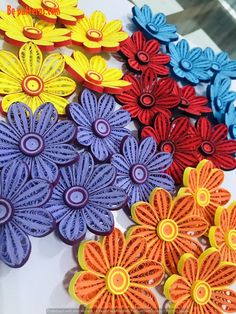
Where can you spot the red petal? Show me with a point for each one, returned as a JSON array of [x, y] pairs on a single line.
[[152, 46], [219, 132], [139, 40], [203, 127]]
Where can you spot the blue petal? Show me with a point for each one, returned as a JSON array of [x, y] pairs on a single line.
[[192, 77], [61, 154], [9, 153], [160, 162], [57, 208], [229, 69], [147, 150], [194, 55], [99, 149], [159, 19], [89, 103], [44, 169], [174, 53], [182, 48], [103, 176], [84, 169], [119, 118], [110, 198], [20, 117], [79, 115], [62, 132], [85, 135], [147, 13], [134, 194], [179, 72], [162, 180], [44, 118], [138, 17], [222, 57], [209, 54], [120, 163], [130, 150], [106, 105], [8, 135], [117, 135]]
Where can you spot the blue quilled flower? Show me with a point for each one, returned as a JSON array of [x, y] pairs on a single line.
[[154, 26], [189, 64], [230, 121]]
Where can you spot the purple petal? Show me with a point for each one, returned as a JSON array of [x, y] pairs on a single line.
[[124, 182], [57, 208], [130, 150], [162, 180], [62, 132], [103, 176], [8, 153], [61, 154], [160, 162], [44, 169], [106, 105], [44, 118], [8, 136], [134, 194], [120, 163], [118, 134], [99, 149], [119, 118], [85, 135], [147, 150], [110, 197], [19, 117], [79, 115], [89, 103], [84, 169]]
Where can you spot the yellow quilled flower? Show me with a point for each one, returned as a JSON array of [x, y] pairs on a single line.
[[32, 80], [63, 11], [201, 287], [223, 235], [168, 226], [116, 276], [96, 34], [22, 28], [95, 75], [203, 184]]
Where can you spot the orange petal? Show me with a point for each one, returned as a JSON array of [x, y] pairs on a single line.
[[224, 275], [188, 267], [227, 254], [193, 226], [149, 233], [183, 306], [208, 262], [224, 299], [121, 304], [190, 178], [216, 236], [215, 179], [91, 257], [144, 214], [103, 304], [171, 258], [196, 309], [220, 197], [232, 219], [161, 200], [142, 299], [182, 207], [156, 250], [210, 308], [188, 245], [146, 273], [177, 288]]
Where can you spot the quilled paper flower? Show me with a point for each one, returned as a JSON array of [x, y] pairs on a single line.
[[94, 73], [230, 121], [201, 285], [154, 26], [190, 102], [148, 96], [203, 184], [21, 212], [188, 63], [214, 144], [52, 11], [83, 198], [144, 54], [32, 80], [140, 169], [99, 127], [174, 138], [116, 276], [95, 34], [37, 139], [220, 63], [221, 97], [169, 228], [222, 235], [18, 30]]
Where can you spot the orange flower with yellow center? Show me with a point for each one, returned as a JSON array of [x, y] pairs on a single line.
[[33, 81], [223, 235], [116, 275], [168, 226], [201, 285], [96, 34], [203, 184]]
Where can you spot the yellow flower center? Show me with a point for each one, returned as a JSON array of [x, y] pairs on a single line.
[[32, 85], [94, 77], [201, 292], [94, 35], [49, 4], [32, 32], [117, 280], [167, 230], [230, 239], [203, 197]]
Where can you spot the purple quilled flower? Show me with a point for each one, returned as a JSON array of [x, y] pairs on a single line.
[[99, 126], [21, 212], [140, 169], [83, 198], [37, 139]]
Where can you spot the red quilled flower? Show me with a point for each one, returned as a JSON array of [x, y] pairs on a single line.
[[143, 54], [148, 95], [173, 137]]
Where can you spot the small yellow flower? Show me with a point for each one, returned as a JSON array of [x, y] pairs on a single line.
[[95, 75], [32, 80], [22, 28], [96, 34], [63, 11]]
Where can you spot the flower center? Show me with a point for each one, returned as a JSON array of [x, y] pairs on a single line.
[[203, 197], [216, 66], [49, 4], [6, 211], [147, 100], [167, 230], [184, 102], [142, 57], [32, 85], [138, 173], [32, 32], [117, 280], [94, 35], [94, 77], [167, 147], [201, 292], [207, 148], [231, 239], [152, 28], [32, 144], [101, 128], [76, 197], [186, 64]]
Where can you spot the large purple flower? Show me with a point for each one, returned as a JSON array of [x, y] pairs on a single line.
[[99, 126], [37, 139], [83, 199], [140, 169], [21, 212]]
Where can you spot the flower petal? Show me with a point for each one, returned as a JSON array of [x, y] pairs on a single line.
[[44, 169], [188, 267], [208, 262], [60, 86], [20, 117], [61, 133], [110, 197], [103, 176], [112, 27], [136, 249], [145, 214], [222, 276], [83, 170], [142, 298], [193, 226], [61, 154], [31, 58], [11, 65], [177, 288], [59, 103], [52, 67], [224, 299], [9, 85], [8, 100], [147, 150], [45, 117]]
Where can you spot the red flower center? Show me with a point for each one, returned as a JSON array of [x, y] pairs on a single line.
[[32, 85], [207, 148], [167, 147], [32, 32], [94, 35], [184, 102], [49, 4], [142, 57], [147, 100]]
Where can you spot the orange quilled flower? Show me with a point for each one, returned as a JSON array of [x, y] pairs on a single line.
[[223, 234], [168, 226], [202, 285], [116, 276], [203, 185]]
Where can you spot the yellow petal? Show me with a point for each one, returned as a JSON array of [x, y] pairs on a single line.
[[92, 45], [24, 20], [11, 65], [8, 84], [9, 99], [19, 38], [36, 4], [70, 11], [59, 102], [44, 26], [118, 83], [82, 61], [82, 25], [52, 66], [66, 3], [31, 58], [60, 86], [98, 64], [97, 20], [115, 37], [55, 33], [7, 21], [112, 27], [112, 74], [78, 37], [34, 102]]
